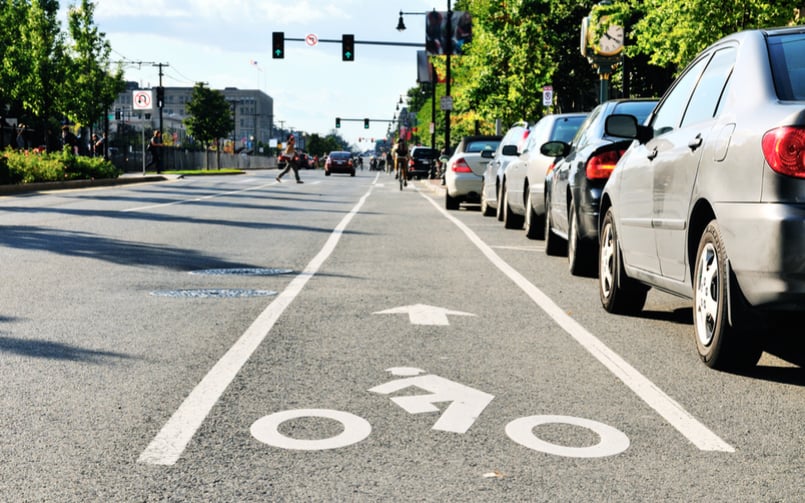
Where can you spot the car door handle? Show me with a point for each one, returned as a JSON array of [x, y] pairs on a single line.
[[651, 155], [696, 142]]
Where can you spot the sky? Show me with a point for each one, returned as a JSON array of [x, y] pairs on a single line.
[[217, 41]]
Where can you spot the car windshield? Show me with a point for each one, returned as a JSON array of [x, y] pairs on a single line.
[[481, 145], [787, 53]]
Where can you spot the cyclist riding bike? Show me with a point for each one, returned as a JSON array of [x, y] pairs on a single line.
[[400, 151]]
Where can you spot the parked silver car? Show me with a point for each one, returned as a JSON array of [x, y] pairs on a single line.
[[464, 173], [507, 151], [523, 184], [707, 203]]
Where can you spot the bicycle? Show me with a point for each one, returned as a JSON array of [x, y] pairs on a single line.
[[399, 166]]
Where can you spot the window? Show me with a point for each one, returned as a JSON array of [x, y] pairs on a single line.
[[710, 89], [669, 113]]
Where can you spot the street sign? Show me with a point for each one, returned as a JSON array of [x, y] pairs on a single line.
[[446, 102], [547, 96], [142, 99], [311, 39]]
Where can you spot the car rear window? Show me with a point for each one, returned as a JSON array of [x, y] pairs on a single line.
[[340, 155], [426, 153], [639, 109], [787, 53], [565, 129], [480, 146]]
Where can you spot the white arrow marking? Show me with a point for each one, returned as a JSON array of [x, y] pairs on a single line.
[[466, 403], [421, 314]]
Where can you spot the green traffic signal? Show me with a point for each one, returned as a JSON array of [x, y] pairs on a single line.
[[348, 47], [338, 122], [278, 45], [365, 123]]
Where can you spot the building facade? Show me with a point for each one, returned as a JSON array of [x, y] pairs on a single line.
[[253, 113]]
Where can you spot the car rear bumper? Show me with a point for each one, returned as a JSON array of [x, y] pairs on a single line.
[[766, 248], [464, 186]]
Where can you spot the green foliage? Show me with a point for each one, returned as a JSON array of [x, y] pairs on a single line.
[[210, 116], [31, 167]]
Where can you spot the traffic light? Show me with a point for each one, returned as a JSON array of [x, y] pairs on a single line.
[[160, 96], [278, 45], [117, 114], [365, 123], [348, 47], [338, 122]]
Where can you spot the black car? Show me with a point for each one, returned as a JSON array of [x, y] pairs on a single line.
[[422, 162], [574, 183]]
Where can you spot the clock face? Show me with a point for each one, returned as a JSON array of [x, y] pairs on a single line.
[[611, 42]]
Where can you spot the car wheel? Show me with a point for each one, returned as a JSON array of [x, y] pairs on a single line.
[[486, 210], [554, 245], [450, 203], [326, 173], [619, 293], [580, 255], [352, 173], [720, 344], [534, 224], [510, 220]]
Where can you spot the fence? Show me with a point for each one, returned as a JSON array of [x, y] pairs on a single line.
[[182, 159]]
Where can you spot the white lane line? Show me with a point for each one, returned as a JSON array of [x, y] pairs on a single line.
[[196, 199], [697, 433], [172, 439]]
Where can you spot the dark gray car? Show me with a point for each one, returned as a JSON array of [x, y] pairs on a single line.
[[708, 203]]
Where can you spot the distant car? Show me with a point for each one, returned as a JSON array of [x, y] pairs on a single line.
[[573, 188], [493, 174], [463, 176], [339, 162], [707, 203], [422, 162], [523, 187]]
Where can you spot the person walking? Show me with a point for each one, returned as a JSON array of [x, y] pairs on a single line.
[[154, 149], [290, 160]]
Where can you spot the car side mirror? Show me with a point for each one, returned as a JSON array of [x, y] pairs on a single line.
[[487, 154], [555, 149], [509, 150], [626, 126]]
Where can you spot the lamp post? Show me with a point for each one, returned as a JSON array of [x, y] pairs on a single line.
[[448, 50]]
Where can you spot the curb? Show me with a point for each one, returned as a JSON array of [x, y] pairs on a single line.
[[23, 188]]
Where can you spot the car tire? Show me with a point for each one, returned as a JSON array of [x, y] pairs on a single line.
[[720, 344], [450, 202], [510, 220], [619, 293], [486, 210], [534, 223], [554, 245], [580, 252], [326, 173], [352, 173]]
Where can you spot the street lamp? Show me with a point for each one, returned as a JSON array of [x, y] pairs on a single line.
[[448, 50]]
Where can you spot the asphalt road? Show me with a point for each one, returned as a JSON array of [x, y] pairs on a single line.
[[235, 339]]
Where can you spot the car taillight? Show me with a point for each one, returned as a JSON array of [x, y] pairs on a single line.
[[461, 166], [600, 166], [784, 150], [349, 163], [410, 163], [550, 168]]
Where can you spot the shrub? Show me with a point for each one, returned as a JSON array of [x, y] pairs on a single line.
[[31, 166]]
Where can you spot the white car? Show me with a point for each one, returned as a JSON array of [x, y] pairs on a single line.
[[508, 150], [464, 174], [523, 186]]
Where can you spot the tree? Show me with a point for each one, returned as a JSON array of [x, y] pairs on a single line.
[[210, 116], [39, 77], [91, 86]]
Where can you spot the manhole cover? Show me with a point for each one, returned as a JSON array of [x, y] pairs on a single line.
[[205, 293], [245, 271]]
